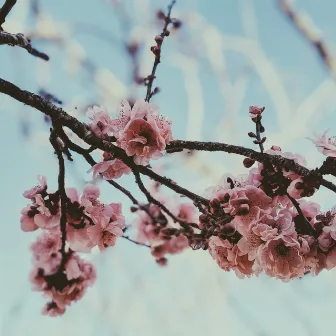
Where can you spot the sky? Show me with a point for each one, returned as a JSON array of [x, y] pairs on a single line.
[[228, 55]]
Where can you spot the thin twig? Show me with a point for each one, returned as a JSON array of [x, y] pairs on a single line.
[[310, 33], [157, 54], [135, 242], [308, 229]]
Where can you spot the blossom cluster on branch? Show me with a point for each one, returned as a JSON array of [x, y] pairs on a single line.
[[258, 222]]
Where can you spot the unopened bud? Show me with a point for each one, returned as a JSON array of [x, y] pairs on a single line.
[[155, 50], [276, 148], [134, 209], [248, 163], [155, 91], [167, 33], [177, 24], [263, 140], [158, 39], [251, 135], [160, 15]]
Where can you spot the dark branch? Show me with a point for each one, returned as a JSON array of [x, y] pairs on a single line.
[[4, 11], [275, 160], [20, 41], [61, 186], [83, 132]]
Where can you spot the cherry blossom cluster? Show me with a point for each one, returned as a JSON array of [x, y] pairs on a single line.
[[139, 130], [260, 222], [163, 234], [58, 271]]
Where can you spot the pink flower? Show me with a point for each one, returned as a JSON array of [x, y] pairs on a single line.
[[78, 239], [309, 209], [256, 110], [142, 139], [281, 258], [277, 223], [324, 144], [229, 257], [27, 219], [105, 233], [331, 259], [63, 288], [51, 309], [141, 109], [246, 205], [46, 252], [251, 243], [141, 132], [72, 268], [31, 193], [298, 189], [187, 212], [111, 169], [101, 121]]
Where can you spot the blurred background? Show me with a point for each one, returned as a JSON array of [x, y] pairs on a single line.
[[227, 55]]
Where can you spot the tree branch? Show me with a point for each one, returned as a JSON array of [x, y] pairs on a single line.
[[4, 11], [20, 41], [276, 160], [83, 131], [310, 33]]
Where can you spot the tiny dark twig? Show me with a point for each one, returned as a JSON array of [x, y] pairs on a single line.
[[157, 59], [135, 242]]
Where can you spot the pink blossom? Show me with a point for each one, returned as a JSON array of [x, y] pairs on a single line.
[[324, 144], [246, 205], [105, 233], [91, 192], [111, 169], [251, 243], [256, 110], [277, 223], [51, 309], [142, 139], [331, 259], [72, 268], [101, 121], [63, 288], [27, 219], [281, 258], [229, 257], [141, 132], [78, 239], [309, 209], [46, 252], [141, 109], [31, 193], [187, 212]]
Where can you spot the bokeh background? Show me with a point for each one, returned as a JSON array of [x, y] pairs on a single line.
[[227, 55]]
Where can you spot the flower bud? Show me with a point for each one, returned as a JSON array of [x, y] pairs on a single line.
[[248, 163]]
